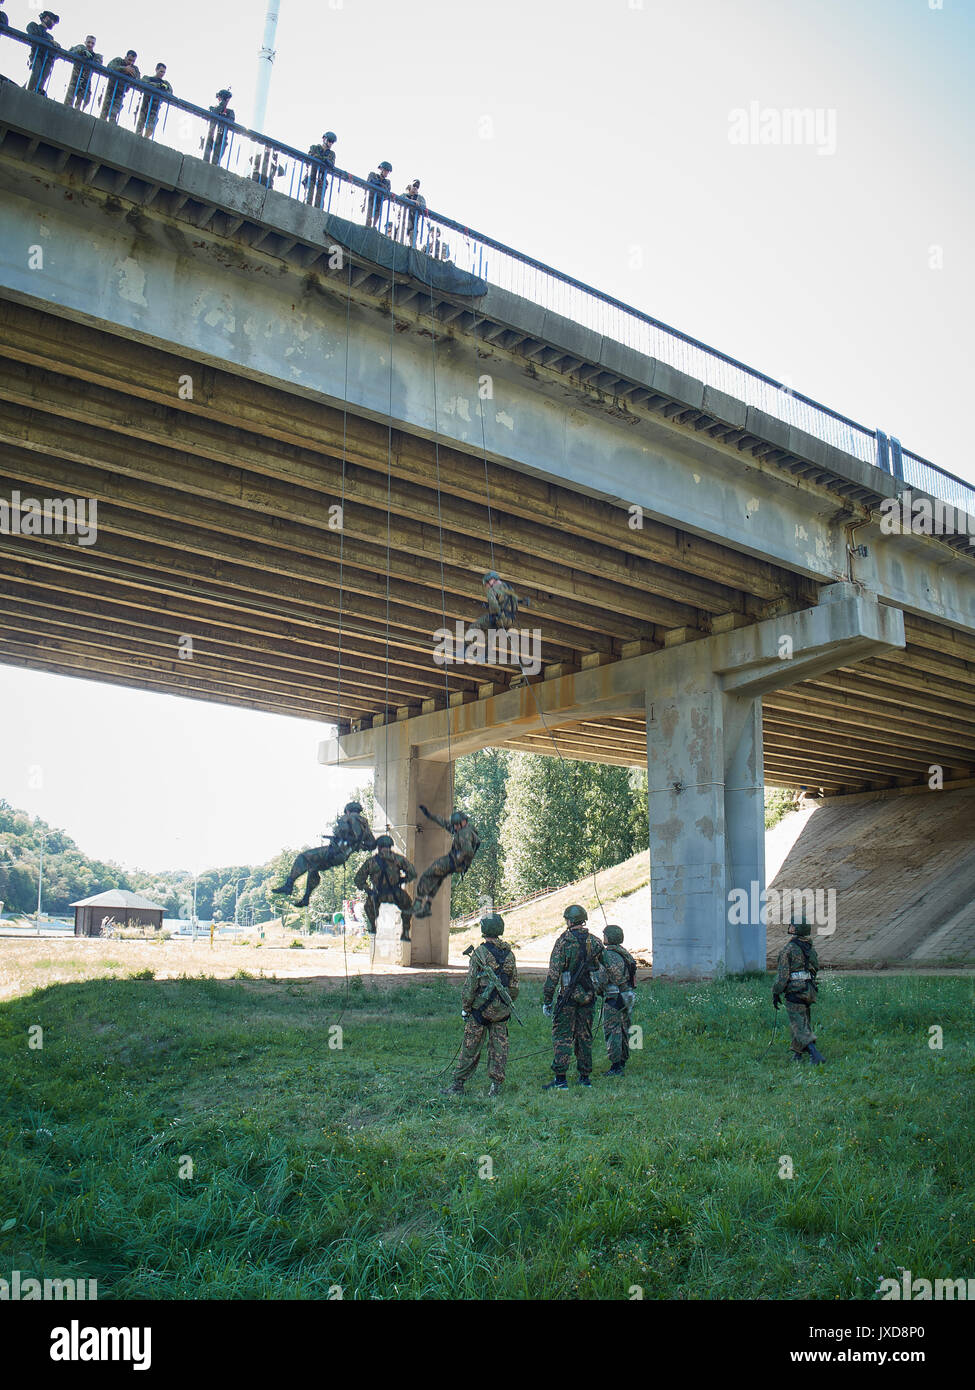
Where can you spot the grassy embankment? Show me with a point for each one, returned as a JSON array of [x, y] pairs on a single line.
[[315, 1167]]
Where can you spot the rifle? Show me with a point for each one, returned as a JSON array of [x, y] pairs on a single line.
[[499, 988]]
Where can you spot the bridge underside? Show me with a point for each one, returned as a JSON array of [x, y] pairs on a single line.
[[216, 521]]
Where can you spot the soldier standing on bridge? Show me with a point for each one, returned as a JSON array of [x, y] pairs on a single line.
[[796, 970], [218, 134], [351, 832], [574, 962], [487, 1000], [375, 202], [617, 979], [151, 105], [464, 845], [382, 878], [41, 60], [316, 180], [78, 94], [116, 89]]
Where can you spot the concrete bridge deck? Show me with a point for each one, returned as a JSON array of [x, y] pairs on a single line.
[[188, 354]]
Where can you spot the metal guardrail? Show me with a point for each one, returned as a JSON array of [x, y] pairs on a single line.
[[198, 131]]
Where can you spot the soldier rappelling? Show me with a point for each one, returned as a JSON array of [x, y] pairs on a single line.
[[351, 832], [383, 878], [464, 845], [502, 604]]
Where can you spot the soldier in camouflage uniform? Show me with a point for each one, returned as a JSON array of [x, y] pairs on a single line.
[[574, 961], [617, 979], [382, 878], [316, 180], [797, 967], [351, 832], [485, 1009], [78, 94], [218, 133], [502, 604], [116, 88], [464, 845], [151, 107]]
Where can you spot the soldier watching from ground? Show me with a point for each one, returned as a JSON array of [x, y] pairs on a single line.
[[572, 967], [41, 59], [489, 992], [78, 94], [796, 970], [151, 105], [616, 983], [117, 88]]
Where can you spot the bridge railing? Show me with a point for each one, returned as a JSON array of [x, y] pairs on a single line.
[[196, 131]]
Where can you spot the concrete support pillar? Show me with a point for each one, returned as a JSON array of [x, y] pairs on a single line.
[[706, 813], [402, 781]]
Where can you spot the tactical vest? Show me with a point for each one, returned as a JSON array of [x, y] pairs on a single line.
[[801, 985], [580, 946], [496, 956]]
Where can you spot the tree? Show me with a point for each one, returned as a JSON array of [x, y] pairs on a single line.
[[480, 789]]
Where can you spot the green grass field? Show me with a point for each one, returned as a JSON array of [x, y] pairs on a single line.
[[315, 1167]]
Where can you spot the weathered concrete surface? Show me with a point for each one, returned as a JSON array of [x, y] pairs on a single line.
[[404, 782], [151, 277], [903, 868]]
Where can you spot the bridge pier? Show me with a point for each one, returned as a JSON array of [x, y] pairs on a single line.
[[706, 815], [403, 781]]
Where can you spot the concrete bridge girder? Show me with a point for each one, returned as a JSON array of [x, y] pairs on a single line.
[[702, 702]]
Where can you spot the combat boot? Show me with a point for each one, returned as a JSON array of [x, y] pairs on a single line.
[[558, 1084], [616, 1069], [815, 1056], [286, 887], [798, 1056], [495, 1088], [584, 1081]]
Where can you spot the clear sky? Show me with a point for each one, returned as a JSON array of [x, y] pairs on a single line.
[[598, 136]]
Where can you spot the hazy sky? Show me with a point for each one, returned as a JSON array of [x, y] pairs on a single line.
[[598, 137]]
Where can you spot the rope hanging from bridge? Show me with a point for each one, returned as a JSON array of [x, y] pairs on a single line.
[[524, 674]]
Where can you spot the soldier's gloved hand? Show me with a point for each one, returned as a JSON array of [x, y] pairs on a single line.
[[547, 1010], [776, 1001], [464, 1013]]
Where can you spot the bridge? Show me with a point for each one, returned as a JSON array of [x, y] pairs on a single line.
[[309, 438]]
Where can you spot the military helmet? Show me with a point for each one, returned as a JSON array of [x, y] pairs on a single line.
[[492, 924], [800, 926], [353, 807], [613, 935], [456, 817], [330, 135], [576, 916], [225, 92], [384, 842], [491, 574], [386, 166], [49, 14]]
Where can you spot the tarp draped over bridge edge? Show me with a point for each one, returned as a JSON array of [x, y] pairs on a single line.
[[382, 251]]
